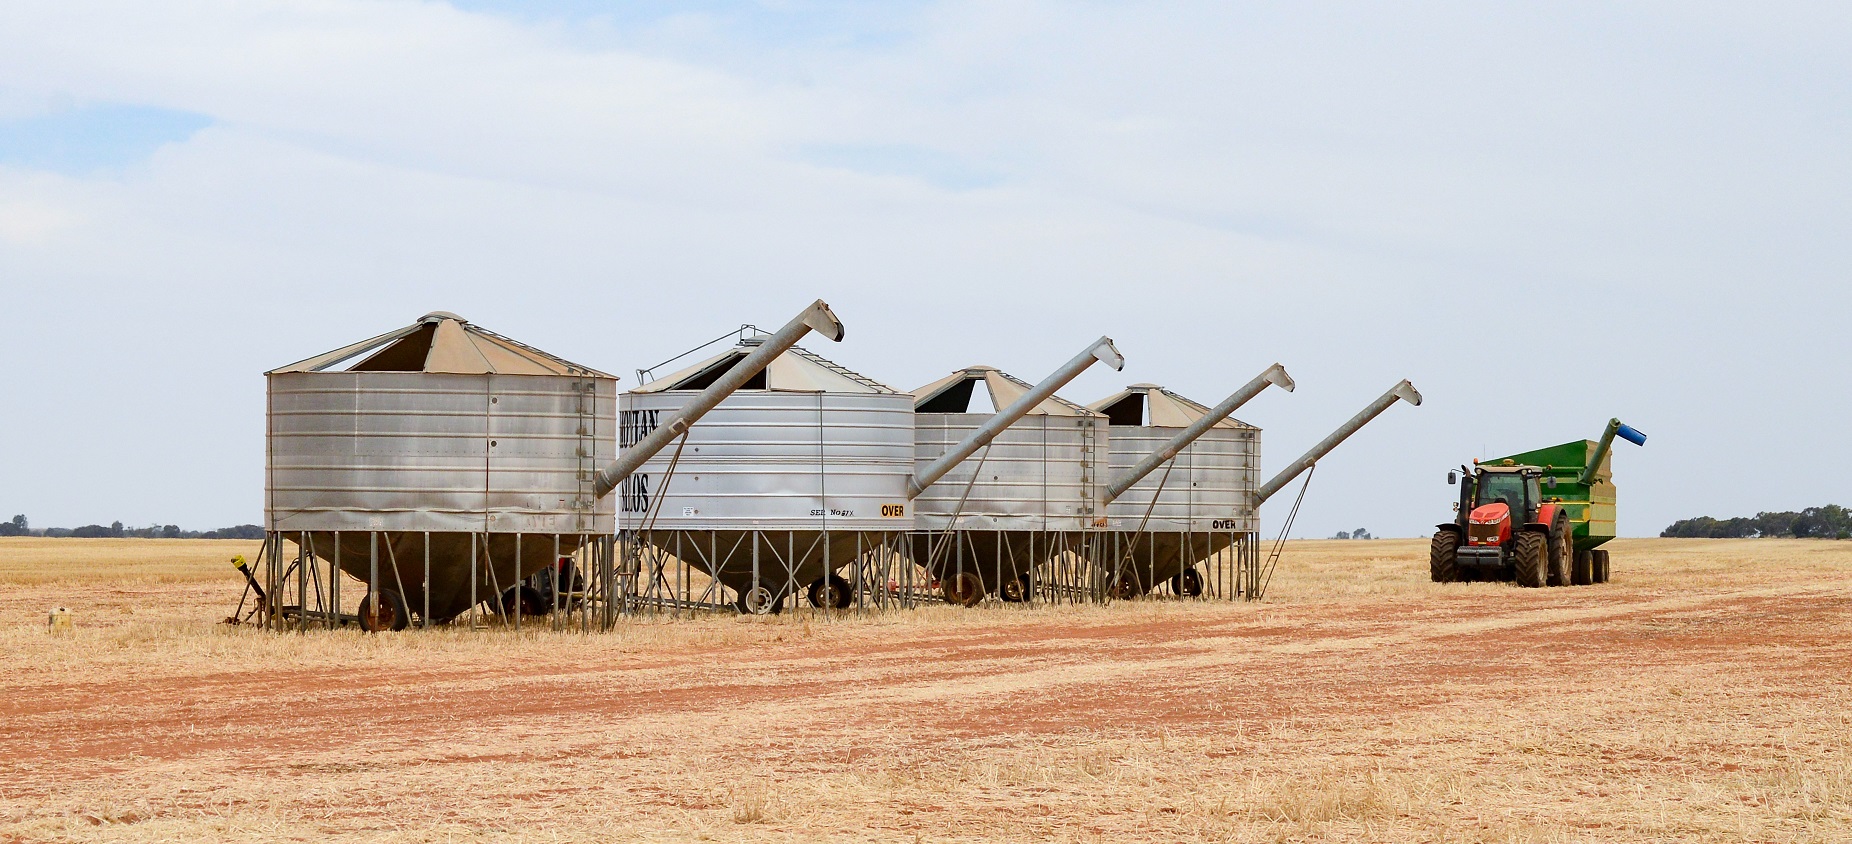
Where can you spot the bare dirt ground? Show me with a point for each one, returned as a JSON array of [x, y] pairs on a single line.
[[1704, 695]]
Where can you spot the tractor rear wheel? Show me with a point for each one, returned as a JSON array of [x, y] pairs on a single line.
[[1562, 551], [1600, 564], [1530, 559], [1443, 557]]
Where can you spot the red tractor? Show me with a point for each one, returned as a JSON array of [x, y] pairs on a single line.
[[1506, 531]]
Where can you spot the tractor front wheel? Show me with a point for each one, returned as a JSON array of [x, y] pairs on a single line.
[[1443, 557], [1531, 559]]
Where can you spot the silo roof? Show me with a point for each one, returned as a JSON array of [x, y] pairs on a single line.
[[798, 370], [441, 342], [1156, 407], [952, 394]]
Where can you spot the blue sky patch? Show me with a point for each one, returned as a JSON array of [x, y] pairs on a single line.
[[96, 137]]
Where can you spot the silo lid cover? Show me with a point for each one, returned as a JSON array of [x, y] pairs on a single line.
[[798, 370], [1162, 408], [441, 342], [1003, 387]]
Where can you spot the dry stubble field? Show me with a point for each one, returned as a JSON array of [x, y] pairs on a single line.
[[1703, 696]]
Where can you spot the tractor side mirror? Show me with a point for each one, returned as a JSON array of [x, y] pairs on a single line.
[[1550, 482], [1452, 479]]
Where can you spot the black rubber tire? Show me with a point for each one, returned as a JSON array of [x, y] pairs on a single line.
[[964, 589], [1187, 584], [1530, 560], [1128, 587], [1562, 551], [1582, 573], [392, 614], [1014, 590], [776, 602], [830, 591], [1600, 564], [1444, 557], [532, 604]]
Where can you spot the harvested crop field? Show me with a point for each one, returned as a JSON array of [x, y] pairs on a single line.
[[1703, 695]]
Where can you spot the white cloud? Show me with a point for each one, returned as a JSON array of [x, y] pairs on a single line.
[[32, 224]]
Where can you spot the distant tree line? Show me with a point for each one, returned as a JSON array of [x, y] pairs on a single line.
[[1829, 522], [1359, 533], [19, 526]]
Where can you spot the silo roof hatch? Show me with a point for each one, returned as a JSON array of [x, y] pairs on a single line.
[[952, 394], [798, 370], [1150, 404], [441, 342]]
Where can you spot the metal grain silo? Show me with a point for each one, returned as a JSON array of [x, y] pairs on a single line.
[[1182, 481], [440, 463], [989, 520], [794, 483]]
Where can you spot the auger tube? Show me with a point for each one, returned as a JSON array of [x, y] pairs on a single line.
[[1601, 448], [1275, 374], [1404, 391], [1102, 350], [817, 317]]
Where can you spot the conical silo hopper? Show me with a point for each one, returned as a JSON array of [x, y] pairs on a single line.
[[997, 494], [439, 447], [799, 473], [1179, 492]]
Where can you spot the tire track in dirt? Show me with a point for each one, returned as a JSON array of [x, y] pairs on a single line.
[[1027, 678]]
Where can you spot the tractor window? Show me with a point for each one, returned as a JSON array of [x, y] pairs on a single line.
[[1508, 488]]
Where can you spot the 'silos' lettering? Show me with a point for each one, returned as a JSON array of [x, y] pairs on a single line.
[[634, 495]]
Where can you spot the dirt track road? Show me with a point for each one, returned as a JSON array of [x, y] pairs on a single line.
[[1702, 703]]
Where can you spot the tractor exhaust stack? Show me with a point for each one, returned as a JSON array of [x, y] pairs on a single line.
[[1404, 391]]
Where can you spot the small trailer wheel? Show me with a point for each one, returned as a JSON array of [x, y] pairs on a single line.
[[830, 591], [531, 602], [759, 601], [1188, 583], [1600, 565], [1014, 590], [388, 613], [964, 589]]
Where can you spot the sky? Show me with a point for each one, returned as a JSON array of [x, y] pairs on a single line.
[[1542, 214]]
